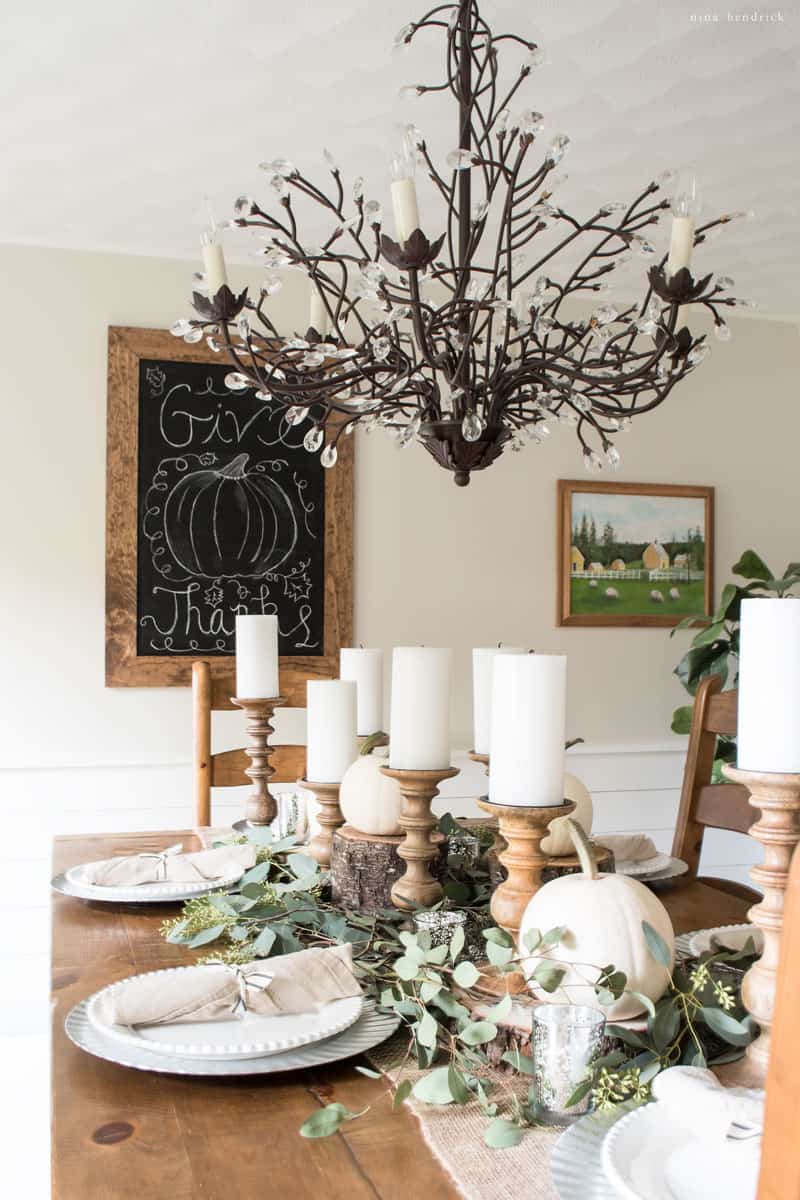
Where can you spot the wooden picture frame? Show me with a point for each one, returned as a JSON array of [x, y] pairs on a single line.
[[125, 667], [635, 581]]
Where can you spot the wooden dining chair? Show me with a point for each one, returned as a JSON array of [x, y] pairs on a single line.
[[226, 768], [706, 805], [780, 1152]]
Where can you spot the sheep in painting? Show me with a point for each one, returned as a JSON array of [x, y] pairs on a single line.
[[612, 593], [592, 583], [656, 596], [674, 594]]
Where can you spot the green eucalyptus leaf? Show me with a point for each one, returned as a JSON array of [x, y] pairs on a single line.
[[502, 1010], [583, 1089], [456, 891], [555, 935], [736, 1033], [437, 955], [256, 874], [326, 1121], [497, 936], [427, 1031], [477, 1033], [456, 943], [500, 1134], [369, 1074], [434, 1088], [264, 942], [260, 835], [548, 977], [520, 1062], [665, 1025], [457, 1084], [429, 989], [401, 1093], [532, 940], [448, 1004], [206, 935], [629, 1036], [406, 968], [466, 974], [656, 945], [498, 956], [645, 1002], [302, 865]]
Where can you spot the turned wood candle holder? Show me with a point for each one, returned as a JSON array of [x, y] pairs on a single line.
[[417, 886], [778, 831], [260, 807], [523, 827], [329, 818], [479, 758]]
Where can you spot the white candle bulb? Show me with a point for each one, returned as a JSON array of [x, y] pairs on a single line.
[[686, 205], [256, 657], [331, 729], [318, 317], [529, 695], [482, 662], [365, 667], [768, 736], [419, 731], [213, 262], [404, 192]]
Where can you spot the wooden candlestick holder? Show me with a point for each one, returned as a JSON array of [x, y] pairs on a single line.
[[479, 758], [329, 817], [260, 807], [778, 830], [417, 886], [523, 829]]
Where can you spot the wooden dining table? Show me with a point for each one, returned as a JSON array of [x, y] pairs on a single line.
[[120, 1133]]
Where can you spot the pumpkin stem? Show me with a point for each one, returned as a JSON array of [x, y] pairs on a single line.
[[583, 849], [373, 741], [236, 468]]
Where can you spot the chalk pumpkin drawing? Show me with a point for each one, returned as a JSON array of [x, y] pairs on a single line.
[[231, 516], [228, 522]]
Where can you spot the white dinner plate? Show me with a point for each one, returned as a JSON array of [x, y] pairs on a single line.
[[644, 866], [149, 893], [675, 867], [247, 1036], [735, 938], [658, 1152], [371, 1028]]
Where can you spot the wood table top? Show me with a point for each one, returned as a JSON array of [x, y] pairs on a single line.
[[120, 1133]]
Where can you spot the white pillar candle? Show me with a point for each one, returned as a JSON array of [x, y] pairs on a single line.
[[406, 210], [365, 667], [482, 660], [331, 726], [769, 686], [681, 244], [213, 263], [419, 731], [256, 657], [529, 695], [318, 317]]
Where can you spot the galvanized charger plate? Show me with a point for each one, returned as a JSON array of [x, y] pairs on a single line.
[[576, 1164], [369, 1030], [176, 895]]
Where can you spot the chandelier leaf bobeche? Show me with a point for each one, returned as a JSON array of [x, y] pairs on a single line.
[[460, 336]]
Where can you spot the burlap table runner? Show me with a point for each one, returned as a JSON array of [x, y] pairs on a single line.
[[455, 1135]]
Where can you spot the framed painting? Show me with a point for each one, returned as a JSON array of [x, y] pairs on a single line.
[[213, 508], [634, 553]]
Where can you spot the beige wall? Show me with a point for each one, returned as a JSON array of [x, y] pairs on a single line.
[[434, 563]]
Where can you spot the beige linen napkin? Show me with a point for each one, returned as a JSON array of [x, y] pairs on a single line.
[[628, 847], [133, 869], [290, 983]]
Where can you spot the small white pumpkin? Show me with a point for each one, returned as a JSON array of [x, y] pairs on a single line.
[[603, 915], [370, 801], [559, 839]]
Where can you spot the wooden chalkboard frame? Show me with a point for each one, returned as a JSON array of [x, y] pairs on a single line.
[[124, 667]]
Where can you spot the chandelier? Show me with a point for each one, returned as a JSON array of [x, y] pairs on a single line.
[[463, 335]]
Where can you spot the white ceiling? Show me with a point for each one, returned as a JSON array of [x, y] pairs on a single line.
[[116, 118]]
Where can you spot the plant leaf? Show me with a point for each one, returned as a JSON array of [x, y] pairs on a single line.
[[656, 945], [498, 956], [736, 1033], [369, 1074], [498, 936], [434, 1088], [466, 974], [401, 1093], [406, 968], [532, 940], [751, 566], [665, 1025], [206, 935], [458, 1088], [645, 1001], [456, 943], [500, 1134], [477, 1033], [519, 1061], [264, 942], [682, 719], [583, 1088], [303, 866], [326, 1121], [502, 1010], [548, 977], [427, 1031]]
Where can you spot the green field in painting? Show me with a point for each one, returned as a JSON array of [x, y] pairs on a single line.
[[634, 597]]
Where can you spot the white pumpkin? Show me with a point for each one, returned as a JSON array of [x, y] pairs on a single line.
[[603, 915], [370, 801], [559, 840]]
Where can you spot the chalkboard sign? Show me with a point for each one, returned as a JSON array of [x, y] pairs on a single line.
[[215, 508], [231, 516]]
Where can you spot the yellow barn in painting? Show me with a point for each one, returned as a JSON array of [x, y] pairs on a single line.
[[618, 565], [655, 557], [576, 559]]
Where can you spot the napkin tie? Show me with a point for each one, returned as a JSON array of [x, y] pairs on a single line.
[[161, 859], [243, 982]]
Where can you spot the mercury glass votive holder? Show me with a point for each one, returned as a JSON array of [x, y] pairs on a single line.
[[440, 923], [565, 1041]]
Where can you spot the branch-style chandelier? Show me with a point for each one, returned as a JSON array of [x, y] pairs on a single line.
[[462, 338]]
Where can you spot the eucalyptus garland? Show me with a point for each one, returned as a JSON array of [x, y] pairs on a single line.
[[282, 904]]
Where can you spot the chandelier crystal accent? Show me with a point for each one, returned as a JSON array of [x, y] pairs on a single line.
[[464, 335]]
